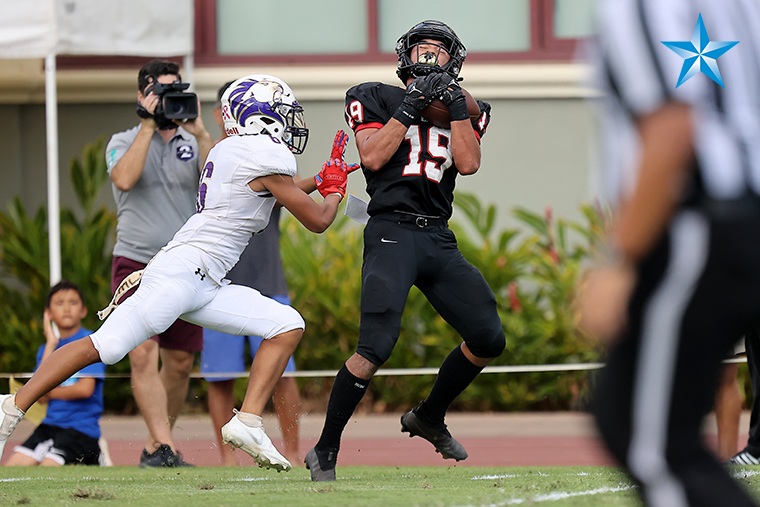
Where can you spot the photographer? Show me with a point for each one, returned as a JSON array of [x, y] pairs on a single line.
[[154, 169]]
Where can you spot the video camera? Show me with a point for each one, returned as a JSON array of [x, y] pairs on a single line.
[[174, 103]]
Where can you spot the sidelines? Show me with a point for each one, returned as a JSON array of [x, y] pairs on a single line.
[[390, 372]]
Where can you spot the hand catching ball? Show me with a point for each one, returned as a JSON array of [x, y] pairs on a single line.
[[438, 114]]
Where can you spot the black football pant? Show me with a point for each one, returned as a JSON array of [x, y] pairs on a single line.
[[696, 293]]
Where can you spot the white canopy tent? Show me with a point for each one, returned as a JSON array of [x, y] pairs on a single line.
[[48, 28]]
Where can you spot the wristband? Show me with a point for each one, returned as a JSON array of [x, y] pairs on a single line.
[[407, 114], [458, 109]]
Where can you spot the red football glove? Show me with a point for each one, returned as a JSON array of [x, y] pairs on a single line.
[[339, 150], [339, 145], [332, 178]]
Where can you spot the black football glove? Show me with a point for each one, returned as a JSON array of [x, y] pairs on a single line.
[[451, 94], [419, 94]]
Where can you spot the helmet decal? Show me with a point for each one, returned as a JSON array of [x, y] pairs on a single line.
[[243, 109]]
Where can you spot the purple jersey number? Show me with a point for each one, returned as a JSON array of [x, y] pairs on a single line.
[[200, 201]]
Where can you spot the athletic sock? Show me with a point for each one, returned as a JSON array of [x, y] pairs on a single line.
[[455, 374], [348, 390], [252, 420]]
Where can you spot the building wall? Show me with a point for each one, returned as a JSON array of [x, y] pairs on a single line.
[[537, 152]]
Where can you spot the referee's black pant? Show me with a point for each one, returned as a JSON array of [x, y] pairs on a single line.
[[697, 292]]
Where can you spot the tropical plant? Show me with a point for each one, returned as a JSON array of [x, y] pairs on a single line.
[[86, 238]]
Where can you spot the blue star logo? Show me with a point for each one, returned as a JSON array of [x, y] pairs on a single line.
[[700, 54]]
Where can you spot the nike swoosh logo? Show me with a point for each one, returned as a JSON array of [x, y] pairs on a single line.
[[383, 240]]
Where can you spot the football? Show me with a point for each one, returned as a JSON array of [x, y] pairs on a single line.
[[438, 114]]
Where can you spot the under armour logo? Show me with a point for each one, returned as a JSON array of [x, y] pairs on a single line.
[[201, 275]]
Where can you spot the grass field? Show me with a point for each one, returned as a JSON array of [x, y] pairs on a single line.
[[356, 486]]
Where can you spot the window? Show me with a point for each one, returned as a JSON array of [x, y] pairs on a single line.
[[573, 19], [249, 32], [259, 27], [490, 26], [365, 31]]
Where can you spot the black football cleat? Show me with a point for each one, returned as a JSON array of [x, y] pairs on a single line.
[[440, 437]]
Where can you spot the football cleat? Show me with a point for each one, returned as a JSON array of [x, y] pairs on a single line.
[[318, 474], [255, 442], [440, 437], [10, 416]]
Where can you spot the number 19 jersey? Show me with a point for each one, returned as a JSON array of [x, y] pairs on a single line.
[[421, 175]]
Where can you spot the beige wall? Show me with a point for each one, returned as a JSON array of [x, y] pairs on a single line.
[[537, 152]]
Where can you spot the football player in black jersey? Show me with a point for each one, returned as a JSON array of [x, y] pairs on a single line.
[[411, 168]]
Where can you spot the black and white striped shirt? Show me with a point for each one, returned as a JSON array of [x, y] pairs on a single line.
[[638, 75]]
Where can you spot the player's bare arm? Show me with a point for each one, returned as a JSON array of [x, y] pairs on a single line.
[[315, 217], [377, 146], [465, 148]]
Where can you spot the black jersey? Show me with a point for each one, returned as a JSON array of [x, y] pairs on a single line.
[[420, 177]]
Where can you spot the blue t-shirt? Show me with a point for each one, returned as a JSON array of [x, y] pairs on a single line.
[[82, 414]]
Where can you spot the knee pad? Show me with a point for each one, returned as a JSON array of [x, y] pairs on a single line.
[[377, 352], [488, 344]]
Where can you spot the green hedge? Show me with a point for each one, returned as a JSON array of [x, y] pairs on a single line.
[[533, 270]]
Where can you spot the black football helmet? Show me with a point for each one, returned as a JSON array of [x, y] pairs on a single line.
[[434, 30]]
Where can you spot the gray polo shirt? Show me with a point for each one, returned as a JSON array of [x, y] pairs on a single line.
[[161, 200]]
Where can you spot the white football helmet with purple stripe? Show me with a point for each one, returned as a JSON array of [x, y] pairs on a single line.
[[262, 104]]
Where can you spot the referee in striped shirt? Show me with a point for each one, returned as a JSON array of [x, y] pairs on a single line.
[[681, 281]]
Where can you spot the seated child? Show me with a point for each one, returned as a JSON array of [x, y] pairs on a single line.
[[70, 431]]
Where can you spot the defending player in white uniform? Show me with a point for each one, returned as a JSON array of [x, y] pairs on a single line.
[[244, 177]]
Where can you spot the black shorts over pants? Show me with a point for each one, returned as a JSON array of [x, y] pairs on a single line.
[[404, 250], [64, 445]]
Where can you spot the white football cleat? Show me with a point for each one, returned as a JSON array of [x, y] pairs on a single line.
[[9, 418], [255, 442]]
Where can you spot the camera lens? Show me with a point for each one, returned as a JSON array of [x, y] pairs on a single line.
[[180, 106], [176, 107]]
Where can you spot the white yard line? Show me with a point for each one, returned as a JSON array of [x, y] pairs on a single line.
[[557, 495]]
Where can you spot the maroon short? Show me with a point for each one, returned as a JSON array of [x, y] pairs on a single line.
[[181, 335]]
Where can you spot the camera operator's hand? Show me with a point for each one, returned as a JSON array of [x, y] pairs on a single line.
[[146, 107], [149, 102], [194, 126]]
